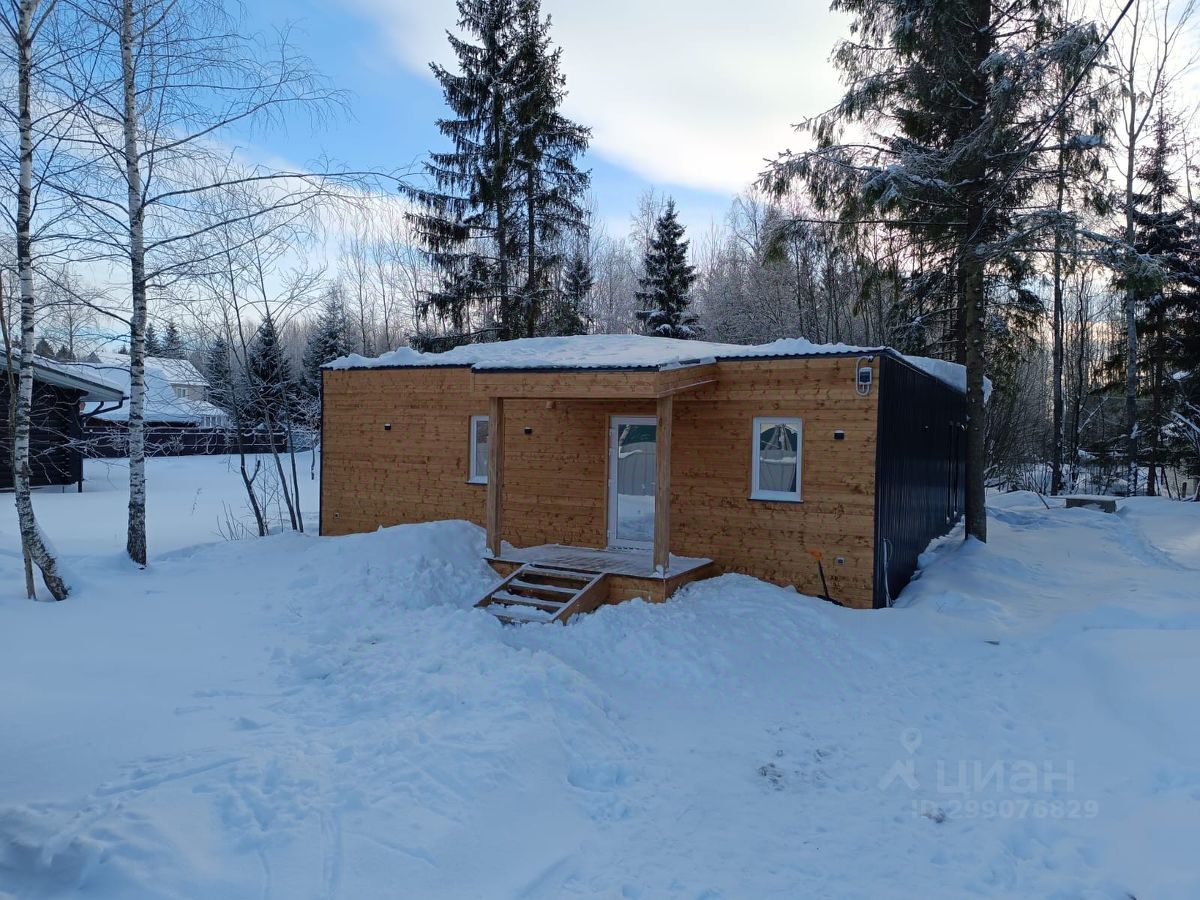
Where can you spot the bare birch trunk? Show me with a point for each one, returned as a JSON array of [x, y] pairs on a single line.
[[295, 477], [135, 543], [1077, 398], [1131, 339], [1056, 452], [248, 477], [10, 375], [1157, 373], [260, 518], [32, 540], [283, 483]]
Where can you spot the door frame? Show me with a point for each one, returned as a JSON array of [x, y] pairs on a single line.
[[614, 424]]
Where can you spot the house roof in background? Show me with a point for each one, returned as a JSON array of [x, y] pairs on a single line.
[[161, 405], [95, 387], [629, 351], [178, 371], [175, 371]]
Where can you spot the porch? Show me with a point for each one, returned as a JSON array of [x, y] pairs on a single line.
[[659, 385], [637, 518], [630, 573], [553, 582]]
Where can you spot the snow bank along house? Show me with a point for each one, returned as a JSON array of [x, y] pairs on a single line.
[[607, 467], [56, 433]]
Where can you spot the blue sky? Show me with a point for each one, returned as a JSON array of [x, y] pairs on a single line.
[[686, 96]]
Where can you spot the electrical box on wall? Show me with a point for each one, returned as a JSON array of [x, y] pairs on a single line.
[[864, 376]]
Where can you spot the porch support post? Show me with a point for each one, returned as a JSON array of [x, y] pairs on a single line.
[[495, 474], [662, 484]]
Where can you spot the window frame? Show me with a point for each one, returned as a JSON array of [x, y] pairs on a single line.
[[473, 475], [759, 493]]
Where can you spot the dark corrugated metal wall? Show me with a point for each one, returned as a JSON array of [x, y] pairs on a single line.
[[920, 464]]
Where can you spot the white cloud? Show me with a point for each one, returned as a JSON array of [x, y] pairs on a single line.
[[689, 92]]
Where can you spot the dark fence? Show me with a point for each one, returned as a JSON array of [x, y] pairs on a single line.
[[113, 443]]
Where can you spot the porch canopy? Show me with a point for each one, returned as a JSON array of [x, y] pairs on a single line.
[[658, 384]]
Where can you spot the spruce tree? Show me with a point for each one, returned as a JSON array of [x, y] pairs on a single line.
[[467, 219], [1163, 276], [568, 313], [550, 184], [219, 374], [957, 98], [498, 203], [153, 347], [268, 375], [172, 345], [667, 281], [329, 339]]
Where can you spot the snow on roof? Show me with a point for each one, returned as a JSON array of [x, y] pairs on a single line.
[[162, 404], [178, 371], [174, 371], [96, 388], [628, 351]]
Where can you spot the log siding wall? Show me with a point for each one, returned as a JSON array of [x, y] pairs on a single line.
[[55, 436], [556, 466]]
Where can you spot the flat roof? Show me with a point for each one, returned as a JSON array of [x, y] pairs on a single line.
[[627, 352]]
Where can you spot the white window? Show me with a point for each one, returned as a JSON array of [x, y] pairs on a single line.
[[776, 459], [479, 450]]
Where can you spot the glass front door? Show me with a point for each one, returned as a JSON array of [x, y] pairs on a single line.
[[631, 476]]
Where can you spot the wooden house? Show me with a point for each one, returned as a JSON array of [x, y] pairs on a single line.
[[611, 466], [56, 433]]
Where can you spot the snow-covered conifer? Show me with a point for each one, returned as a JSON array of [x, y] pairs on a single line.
[[329, 339], [667, 280]]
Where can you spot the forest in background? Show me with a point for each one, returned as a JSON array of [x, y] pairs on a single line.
[[1022, 204]]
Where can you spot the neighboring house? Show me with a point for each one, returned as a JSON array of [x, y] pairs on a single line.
[[611, 466], [175, 394], [183, 377], [58, 393]]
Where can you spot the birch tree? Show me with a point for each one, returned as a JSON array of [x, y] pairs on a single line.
[[182, 78], [27, 24]]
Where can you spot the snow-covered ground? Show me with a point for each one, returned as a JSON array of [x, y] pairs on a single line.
[[298, 717]]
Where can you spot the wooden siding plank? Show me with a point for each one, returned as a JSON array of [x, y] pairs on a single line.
[[662, 483], [495, 482]]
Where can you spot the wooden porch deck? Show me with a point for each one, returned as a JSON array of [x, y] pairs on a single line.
[[627, 573], [634, 563]]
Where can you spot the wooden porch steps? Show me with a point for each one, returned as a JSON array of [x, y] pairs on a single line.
[[541, 593]]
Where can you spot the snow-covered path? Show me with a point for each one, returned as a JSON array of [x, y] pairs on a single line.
[[303, 717]]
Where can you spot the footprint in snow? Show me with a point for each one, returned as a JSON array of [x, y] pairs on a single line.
[[775, 776]]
